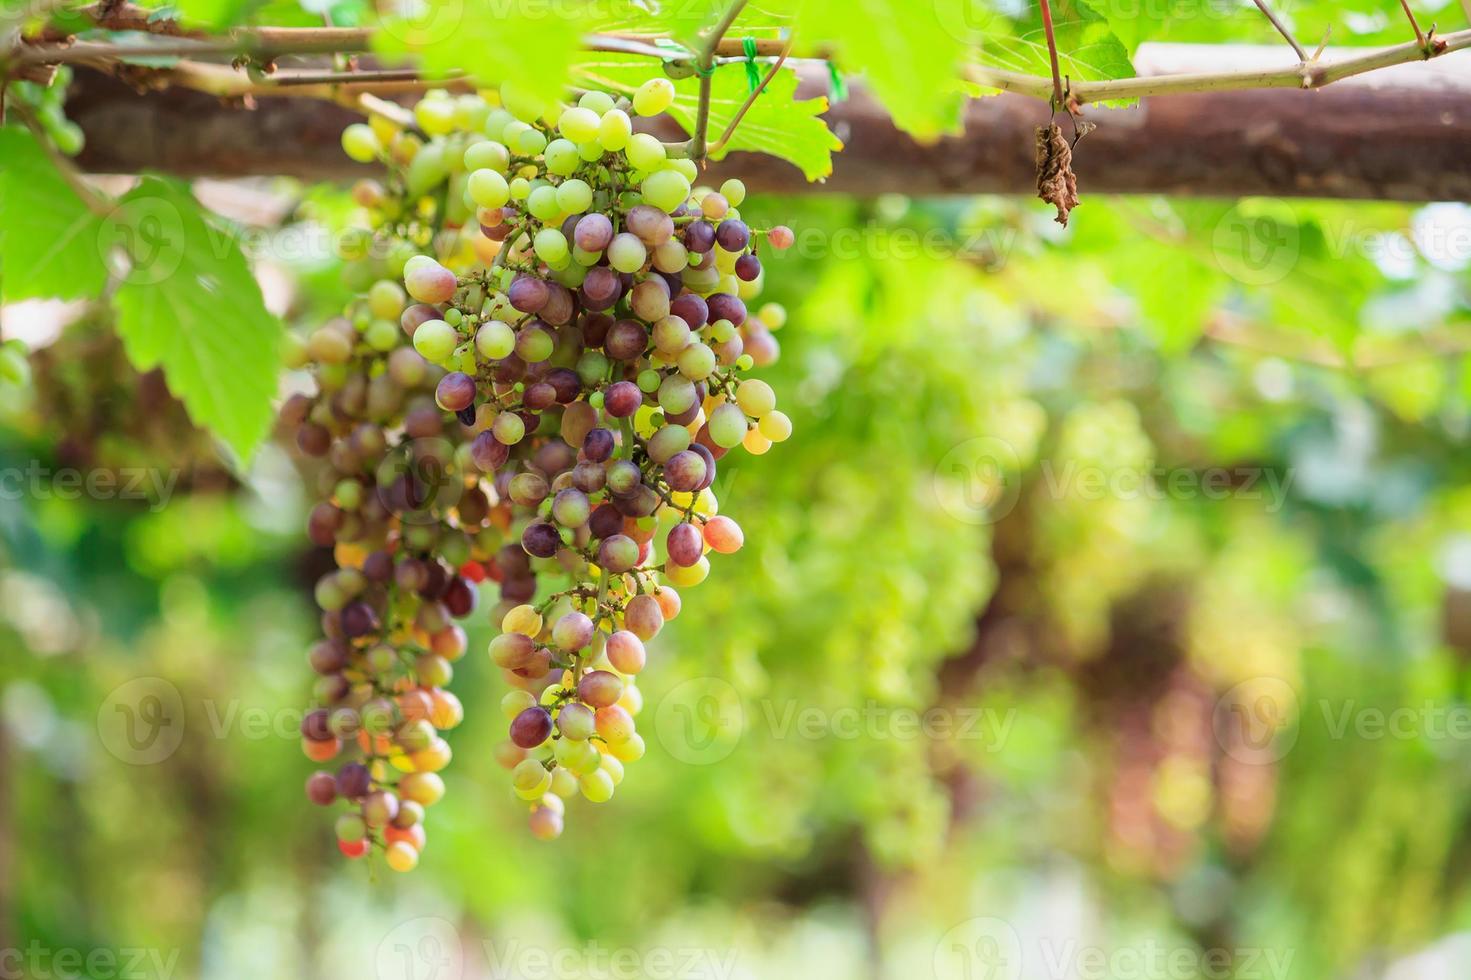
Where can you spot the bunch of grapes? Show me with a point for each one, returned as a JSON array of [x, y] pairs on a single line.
[[543, 404]]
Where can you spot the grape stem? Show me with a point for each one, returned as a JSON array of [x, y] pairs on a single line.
[[740, 113], [705, 62]]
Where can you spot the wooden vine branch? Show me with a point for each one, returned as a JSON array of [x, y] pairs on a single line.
[[268, 43]]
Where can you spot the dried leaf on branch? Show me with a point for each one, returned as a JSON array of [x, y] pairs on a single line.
[[1056, 182]]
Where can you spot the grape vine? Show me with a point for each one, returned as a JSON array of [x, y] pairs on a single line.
[[548, 394]]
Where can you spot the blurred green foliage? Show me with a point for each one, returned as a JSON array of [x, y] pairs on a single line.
[[1076, 603]]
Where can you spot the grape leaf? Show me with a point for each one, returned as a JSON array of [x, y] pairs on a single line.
[[210, 13], [910, 55], [493, 40], [48, 236], [778, 123], [190, 305], [1087, 48]]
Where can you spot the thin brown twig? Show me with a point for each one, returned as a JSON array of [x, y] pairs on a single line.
[[1415, 24], [94, 201], [1057, 94], [705, 63], [740, 113], [1302, 55]]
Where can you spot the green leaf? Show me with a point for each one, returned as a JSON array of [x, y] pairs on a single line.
[[1087, 48], [48, 237], [778, 123], [210, 13], [910, 54], [493, 40], [191, 306]]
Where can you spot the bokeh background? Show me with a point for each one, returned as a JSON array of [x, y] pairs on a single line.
[[1107, 616]]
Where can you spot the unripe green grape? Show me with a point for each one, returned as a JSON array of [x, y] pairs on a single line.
[[688, 576], [666, 190], [351, 828], [428, 169], [733, 191], [598, 102], [435, 116], [533, 345], [574, 196], [615, 131], [626, 253], [530, 142], [495, 340], [551, 247], [488, 189], [382, 335], [515, 702], [653, 97], [667, 441], [671, 335], [590, 152], [696, 362], [487, 155], [386, 299], [677, 395], [727, 425], [495, 122], [542, 203], [592, 367], [755, 397], [470, 112], [596, 786], [508, 428], [360, 143], [645, 152], [578, 125], [585, 258], [523, 103], [775, 426], [648, 381], [520, 188], [435, 341], [530, 778], [685, 167], [562, 157], [572, 274], [671, 256]]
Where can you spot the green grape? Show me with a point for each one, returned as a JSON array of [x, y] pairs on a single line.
[[578, 124], [645, 152], [574, 196], [561, 157], [360, 143], [488, 189], [733, 191], [615, 130], [653, 97], [435, 341], [487, 155], [550, 245], [530, 142], [666, 190], [542, 203], [626, 253], [727, 425]]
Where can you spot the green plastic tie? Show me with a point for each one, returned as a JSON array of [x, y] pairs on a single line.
[[837, 88], [753, 74]]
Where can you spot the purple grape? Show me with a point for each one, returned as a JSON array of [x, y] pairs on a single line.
[[684, 544], [605, 521], [354, 781], [565, 384], [455, 391], [626, 340], [540, 540], [528, 294], [415, 315], [685, 471], [618, 553], [459, 597], [724, 306], [699, 236], [622, 399], [709, 457], [321, 788], [598, 445], [640, 502], [595, 328], [747, 268], [649, 224], [314, 725], [489, 453], [531, 727], [560, 306], [601, 288], [359, 619], [691, 308], [593, 233], [733, 235]]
